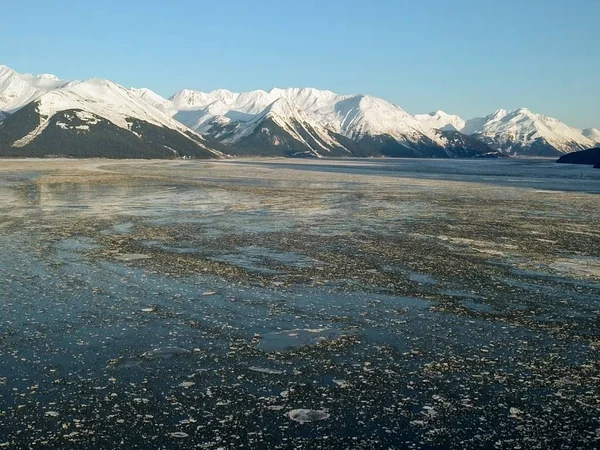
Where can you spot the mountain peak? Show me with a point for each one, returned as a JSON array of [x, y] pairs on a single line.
[[96, 81], [521, 130], [499, 114], [184, 93], [523, 111], [222, 94], [17, 90], [6, 70], [592, 134], [441, 120], [47, 76], [188, 99]]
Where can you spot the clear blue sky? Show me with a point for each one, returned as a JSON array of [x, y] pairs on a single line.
[[463, 56]]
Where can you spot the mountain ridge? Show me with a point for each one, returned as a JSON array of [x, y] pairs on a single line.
[[514, 132], [290, 122], [94, 117]]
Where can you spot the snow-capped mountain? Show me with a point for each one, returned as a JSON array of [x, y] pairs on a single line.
[[351, 115], [90, 118], [374, 126], [280, 129], [518, 132], [305, 121], [522, 132], [154, 99], [593, 134], [17, 90], [43, 114], [441, 121]]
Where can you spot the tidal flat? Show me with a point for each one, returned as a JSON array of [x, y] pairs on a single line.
[[419, 304]]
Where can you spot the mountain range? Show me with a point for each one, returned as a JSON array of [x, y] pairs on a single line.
[[43, 115]]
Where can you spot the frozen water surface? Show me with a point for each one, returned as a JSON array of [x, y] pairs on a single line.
[[299, 304], [286, 340]]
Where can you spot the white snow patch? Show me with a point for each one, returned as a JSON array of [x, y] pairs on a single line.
[[31, 135]]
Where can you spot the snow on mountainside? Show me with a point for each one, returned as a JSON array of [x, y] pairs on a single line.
[[362, 115], [355, 117], [376, 122], [17, 90], [523, 132], [154, 99], [294, 121], [106, 99], [441, 121], [94, 117], [350, 115], [474, 125], [593, 134], [285, 128], [282, 112]]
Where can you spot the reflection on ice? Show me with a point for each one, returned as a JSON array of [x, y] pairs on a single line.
[[307, 415], [286, 340], [132, 257], [166, 352]]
